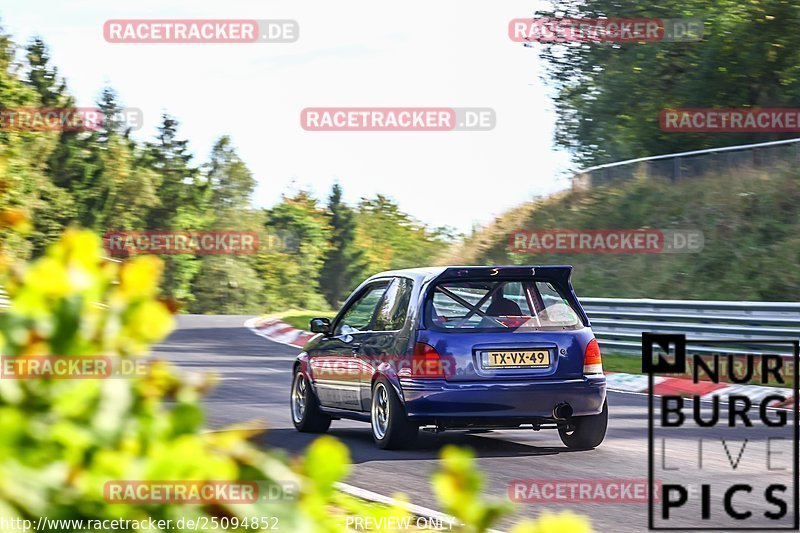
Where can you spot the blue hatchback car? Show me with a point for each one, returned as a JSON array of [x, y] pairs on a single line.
[[455, 348]]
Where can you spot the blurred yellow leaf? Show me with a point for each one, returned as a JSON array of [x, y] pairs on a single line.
[[548, 522]]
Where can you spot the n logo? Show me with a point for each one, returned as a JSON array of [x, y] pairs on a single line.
[[674, 345]]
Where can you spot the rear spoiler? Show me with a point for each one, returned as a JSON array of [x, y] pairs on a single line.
[[558, 275]]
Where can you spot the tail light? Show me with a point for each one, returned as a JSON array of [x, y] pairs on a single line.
[[592, 363], [426, 363]]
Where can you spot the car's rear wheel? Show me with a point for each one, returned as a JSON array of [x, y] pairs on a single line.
[[585, 432], [391, 428], [306, 414]]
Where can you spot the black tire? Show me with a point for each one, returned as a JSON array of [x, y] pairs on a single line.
[[308, 418], [392, 431], [585, 432]]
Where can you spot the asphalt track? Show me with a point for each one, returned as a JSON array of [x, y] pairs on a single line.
[[254, 384]]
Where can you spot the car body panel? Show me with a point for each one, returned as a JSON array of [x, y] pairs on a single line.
[[335, 371], [524, 400]]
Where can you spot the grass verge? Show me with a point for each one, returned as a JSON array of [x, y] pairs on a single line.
[[299, 318]]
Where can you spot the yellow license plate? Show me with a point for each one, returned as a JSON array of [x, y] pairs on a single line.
[[516, 359]]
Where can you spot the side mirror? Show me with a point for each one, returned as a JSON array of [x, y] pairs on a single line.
[[320, 325]]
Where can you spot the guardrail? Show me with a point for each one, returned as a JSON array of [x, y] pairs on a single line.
[[618, 323], [682, 165]]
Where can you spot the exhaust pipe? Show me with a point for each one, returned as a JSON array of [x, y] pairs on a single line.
[[562, 411]]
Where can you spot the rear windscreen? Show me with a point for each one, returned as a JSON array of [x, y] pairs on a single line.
[[502, 305]]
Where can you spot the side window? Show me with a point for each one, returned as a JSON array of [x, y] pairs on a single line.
[[358, 316], [549, 294], [394, 307], [557, 311]]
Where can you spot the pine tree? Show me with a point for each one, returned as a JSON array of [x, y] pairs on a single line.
[[230, 182], [229, 283], [52, 207], [176, 191], [343, 265], [43, 78], [180, 204]]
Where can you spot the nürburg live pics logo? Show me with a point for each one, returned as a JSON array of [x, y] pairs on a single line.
[[724, 454]]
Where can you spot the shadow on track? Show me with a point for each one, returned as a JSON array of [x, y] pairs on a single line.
[[427, 447]]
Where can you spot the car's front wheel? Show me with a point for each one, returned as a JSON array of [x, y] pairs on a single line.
[[585, 432], [391, 428], [306, 414]]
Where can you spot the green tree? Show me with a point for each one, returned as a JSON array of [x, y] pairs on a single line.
[[178, 189], [229, 283], [291, 275], [230, 181], [24, 181], [111, 110], [343, 266], [44, 78], [226, 285], [180, 205], [608, 96], [106, 173], [393, 239]]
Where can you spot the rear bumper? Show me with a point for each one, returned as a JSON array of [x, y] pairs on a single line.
[[427, 400]]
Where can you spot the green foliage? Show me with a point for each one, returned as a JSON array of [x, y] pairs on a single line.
[[229, 180], [549, 522], [337, 248], [609, 95], [327, 462], [61, 440], [171, 158], [392, 239], [458, 487], [750, 222], [42, 77], [23, 179], [226, 285], [343, 268], [291, 271]]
